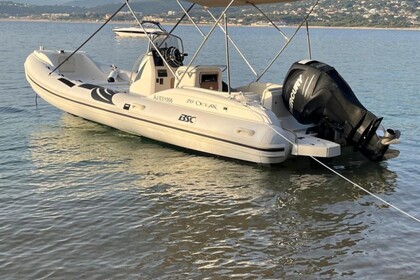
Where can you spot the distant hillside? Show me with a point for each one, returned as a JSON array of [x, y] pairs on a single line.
[[350, 13], [42, 2], [93, 3], [11, 10], [144, 6], [147, 7], [87, 3]]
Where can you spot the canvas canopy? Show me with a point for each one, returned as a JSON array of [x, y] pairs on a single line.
[[224, 3]]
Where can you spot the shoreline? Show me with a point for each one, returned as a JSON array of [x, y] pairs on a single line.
[[209, 24]]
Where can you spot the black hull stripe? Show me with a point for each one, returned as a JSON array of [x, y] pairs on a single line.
[[130, 32], [66, 82], [159, 124]]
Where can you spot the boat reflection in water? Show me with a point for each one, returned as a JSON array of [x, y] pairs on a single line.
[[205, 215]]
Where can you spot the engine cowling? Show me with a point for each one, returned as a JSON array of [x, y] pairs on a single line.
[[315, 93]]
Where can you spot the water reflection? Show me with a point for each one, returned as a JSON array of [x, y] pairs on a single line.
[[158, 209]]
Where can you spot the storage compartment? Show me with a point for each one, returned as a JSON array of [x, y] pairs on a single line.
[[207, 77], [209, 81]]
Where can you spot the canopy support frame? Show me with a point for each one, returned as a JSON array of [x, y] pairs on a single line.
[[228, 38], [305, 20], [206, 37], [227, 53], [149, 37]]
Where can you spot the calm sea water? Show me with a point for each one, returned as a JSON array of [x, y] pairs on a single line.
[[80, 200]]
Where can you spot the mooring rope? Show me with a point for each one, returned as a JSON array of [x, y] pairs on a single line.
[[365, 190], [350, 181]]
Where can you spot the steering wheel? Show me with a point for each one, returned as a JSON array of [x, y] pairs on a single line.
[[174, 57]]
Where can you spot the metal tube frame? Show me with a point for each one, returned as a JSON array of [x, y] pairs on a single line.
[[190, 18], [269, 19], [186, 12], [217, 23], [93, 35], [227, 52], [308, 38], [228, 38], [287, 43], [152, 43], [206, 37], [234, 44]]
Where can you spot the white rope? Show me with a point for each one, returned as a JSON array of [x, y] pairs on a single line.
[[351, 182], [282, 136], [365, 190]]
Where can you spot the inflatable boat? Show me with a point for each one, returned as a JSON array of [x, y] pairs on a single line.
[[313, 113]]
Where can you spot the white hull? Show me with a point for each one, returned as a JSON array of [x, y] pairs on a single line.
[[136, 32], [227, 127]]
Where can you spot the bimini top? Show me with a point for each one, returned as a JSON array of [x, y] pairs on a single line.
[[224, 3]]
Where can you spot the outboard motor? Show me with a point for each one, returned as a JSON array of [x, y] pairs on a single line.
[[315, 93]]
